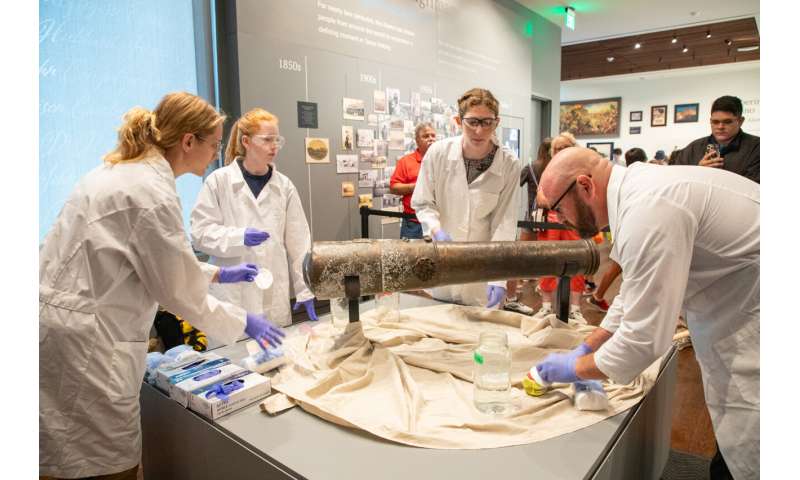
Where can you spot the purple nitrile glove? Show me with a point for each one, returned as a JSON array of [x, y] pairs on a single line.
[[442, 236], [262, 330], [580, 350], [495, 295], [244, 272], [558, 367], [253, 237], [309, 306]]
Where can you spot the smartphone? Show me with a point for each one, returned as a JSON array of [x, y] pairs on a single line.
[[713, 147]]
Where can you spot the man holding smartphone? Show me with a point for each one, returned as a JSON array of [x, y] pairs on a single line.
[[728, 147]]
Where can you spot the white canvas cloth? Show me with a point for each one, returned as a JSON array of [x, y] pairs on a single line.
[[407, 377]]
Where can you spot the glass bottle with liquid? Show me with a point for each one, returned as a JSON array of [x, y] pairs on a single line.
[[492, 373]]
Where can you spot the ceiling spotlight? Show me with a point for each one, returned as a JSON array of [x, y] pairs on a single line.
[[638, 45], [685, 49], [728, 43], [747, 49], [708, 34], [609, 59], [674, 39]]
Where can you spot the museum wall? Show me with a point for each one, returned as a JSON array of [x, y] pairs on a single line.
[[429, 52], [638, 92]]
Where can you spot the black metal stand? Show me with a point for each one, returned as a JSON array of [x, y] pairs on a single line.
[[561, 299]]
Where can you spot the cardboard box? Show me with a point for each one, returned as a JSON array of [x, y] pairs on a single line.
[[180, 391], [205, 402], [170, 374]]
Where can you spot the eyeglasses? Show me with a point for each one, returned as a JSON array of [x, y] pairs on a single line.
[[554, 207], [269, 140], [216, 146], [474, 122]]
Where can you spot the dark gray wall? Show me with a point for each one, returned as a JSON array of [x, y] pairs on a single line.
[[448, 47]]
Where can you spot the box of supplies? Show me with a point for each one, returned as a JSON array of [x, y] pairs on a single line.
[[248, 386], [180, 391], [173, 374]]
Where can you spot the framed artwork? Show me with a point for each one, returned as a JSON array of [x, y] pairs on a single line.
[[686, 113], [636, 116], [591, 118], [317, 150], [635, 130], [605, 149], [658, 116]]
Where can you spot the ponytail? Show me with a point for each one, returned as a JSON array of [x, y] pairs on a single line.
[[135, 137], [235, 147]]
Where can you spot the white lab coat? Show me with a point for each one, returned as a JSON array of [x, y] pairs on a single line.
[[484, 210], [688, 238], [224, 208], [116, 251]]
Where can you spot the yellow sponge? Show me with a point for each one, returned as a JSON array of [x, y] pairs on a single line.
[[533, 384]]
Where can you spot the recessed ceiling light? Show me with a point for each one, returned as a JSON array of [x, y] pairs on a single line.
[[638, 45], [728, 43], [674, 39], [685, 49], [747, 49], [609, 59], [708, 34]]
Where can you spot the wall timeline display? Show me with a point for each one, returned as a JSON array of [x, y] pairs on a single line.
[[591, 118], [636, 116], [347, 137], [379, 101], [635, 130], [365, 137], [605, 149], [346, 163], [348, 189], [658, 116], [307, 115], [686, 113], [353, 108], [317, 150], [393, 98]]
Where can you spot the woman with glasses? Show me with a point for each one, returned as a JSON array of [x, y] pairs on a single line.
[[466, 191], [117, 250], [249, 211]]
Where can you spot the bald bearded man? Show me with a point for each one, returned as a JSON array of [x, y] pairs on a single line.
[[686, 238]]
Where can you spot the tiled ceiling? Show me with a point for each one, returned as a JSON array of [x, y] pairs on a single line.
[[698, 45]]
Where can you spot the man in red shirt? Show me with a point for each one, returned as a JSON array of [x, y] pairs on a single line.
[[405, 175]]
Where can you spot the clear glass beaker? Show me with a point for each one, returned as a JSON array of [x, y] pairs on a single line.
[[340, 311], [491, 376]]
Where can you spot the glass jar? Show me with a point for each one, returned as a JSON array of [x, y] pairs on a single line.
[[491, 376], [340, 312]]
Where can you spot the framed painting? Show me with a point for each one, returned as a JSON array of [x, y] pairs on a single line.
[[636, 116], [605, 149], [635, 130], [658, 116], [591, 118], [687, 113]]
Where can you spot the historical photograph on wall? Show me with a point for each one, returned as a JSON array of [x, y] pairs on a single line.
[[686, 113], [396, 139], [348, 189], [658, 116], [591, 118], [347, 137], [346, 163], [636, 116], [393, 99], [367, 178], [353, 109], [317, 150], [365, 137], [379, 101]]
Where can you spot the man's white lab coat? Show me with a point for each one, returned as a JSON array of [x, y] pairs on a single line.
[[484, 210], [225, 208], [117, 250], [688, 237]]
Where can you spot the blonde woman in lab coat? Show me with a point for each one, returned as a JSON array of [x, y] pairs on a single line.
[[466, 191], [117, 250], [249, 211]]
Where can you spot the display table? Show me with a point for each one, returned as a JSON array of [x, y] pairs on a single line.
[[179, 444]]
